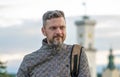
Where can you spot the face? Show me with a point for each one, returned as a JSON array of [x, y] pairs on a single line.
[[55, 30]]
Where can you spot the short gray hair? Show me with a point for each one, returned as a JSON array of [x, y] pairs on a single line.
[[52, 14]]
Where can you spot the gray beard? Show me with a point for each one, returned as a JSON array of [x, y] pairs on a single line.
[[56, 48], [57, 45]]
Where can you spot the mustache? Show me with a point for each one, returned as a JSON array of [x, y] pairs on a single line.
[[58, 35]]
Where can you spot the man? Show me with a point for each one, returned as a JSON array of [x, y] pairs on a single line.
[[53, 58]]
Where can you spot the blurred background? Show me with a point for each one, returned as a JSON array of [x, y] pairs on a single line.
[[20, 31]]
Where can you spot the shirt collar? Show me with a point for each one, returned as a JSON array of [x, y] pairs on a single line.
[[48, 46]]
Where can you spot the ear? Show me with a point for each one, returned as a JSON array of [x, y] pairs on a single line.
[[43, 31]]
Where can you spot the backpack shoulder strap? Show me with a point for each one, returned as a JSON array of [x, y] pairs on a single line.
[[75, 60]]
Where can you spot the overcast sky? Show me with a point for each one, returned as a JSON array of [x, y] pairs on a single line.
[[13, 11], [20, 23]]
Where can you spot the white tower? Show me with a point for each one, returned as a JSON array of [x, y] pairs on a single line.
[[85, 37]]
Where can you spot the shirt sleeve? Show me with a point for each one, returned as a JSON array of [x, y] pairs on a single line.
[[84, 70], [22, 71]]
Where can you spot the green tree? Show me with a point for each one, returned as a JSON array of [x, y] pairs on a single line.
[[3, 72]]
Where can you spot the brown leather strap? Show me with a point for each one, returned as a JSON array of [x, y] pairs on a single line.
[[75, 60]]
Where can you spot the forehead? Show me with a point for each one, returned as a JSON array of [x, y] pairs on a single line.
[[56, 22]]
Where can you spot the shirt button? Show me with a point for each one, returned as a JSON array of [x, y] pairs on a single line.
[[67, 65]]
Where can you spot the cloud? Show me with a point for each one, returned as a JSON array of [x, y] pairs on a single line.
[[16, 10], [103, 59], [12, 56], [107, 32], [25, 36], [3, 7], [6, 22], [118, 55]]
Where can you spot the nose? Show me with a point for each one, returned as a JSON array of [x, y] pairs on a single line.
[[58, 30]]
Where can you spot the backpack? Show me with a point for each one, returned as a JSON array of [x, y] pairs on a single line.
[[75, 60]]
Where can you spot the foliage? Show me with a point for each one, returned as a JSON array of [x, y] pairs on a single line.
[[3, 72]]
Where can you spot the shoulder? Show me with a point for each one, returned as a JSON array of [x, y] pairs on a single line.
[[67, 47], [30, 59], [32, 55], [78, 47], [70, 47]]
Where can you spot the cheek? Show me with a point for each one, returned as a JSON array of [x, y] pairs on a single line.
[[64, 32], [50, 34]]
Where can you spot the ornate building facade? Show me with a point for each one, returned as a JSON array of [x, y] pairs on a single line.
[[111, 70]]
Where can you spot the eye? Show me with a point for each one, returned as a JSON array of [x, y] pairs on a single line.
[[53, 28], [62, 27]]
